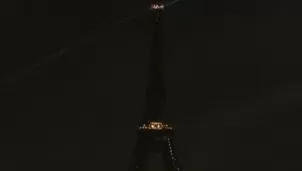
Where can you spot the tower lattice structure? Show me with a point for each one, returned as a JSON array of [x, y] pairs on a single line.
[[154, 135]]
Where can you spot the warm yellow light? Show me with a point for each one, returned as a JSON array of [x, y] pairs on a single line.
[[155, 126]]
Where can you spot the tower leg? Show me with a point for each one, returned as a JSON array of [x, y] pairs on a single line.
[[170, 157]]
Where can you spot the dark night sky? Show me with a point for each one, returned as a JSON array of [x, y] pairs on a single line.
[[233, 80]]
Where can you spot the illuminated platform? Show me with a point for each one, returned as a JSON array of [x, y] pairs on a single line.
[[155, 126]]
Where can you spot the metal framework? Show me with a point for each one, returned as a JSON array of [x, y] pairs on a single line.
[[155, 136]]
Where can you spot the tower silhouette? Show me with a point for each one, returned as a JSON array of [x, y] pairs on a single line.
[[154, 135]]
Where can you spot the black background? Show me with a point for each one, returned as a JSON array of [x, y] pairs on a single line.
[[233, 80]]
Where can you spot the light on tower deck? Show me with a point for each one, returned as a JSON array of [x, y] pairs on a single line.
[[155, 126], [157, 7]]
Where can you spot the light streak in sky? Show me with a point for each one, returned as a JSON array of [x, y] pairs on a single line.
[[172, 3], [57, 56]]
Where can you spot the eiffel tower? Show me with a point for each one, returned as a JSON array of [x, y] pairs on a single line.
[[154, 147]]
